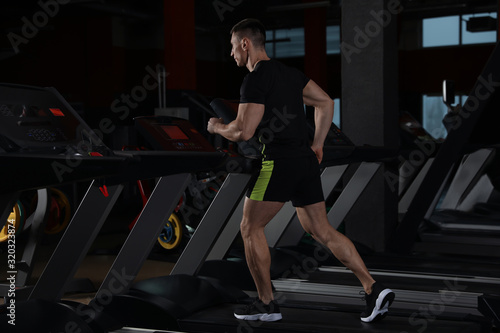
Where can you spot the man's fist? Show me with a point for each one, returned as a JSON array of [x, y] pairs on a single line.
[[212, 123]]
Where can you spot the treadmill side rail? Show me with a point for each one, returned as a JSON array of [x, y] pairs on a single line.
[[212, 224]]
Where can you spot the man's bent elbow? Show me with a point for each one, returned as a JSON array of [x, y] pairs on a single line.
[[330, 104], [245, 136], [326, 106]]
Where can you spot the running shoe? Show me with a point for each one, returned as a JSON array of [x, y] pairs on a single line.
[[377, 303], [259, 311]]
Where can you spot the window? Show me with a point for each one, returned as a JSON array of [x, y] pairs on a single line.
[[288, 43], [452, 30], [285, 43], [433, 111], [336, 112], [441, 31], [333, 39]]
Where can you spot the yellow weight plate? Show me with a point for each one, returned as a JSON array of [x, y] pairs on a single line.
[[171, 236], [13, 219]]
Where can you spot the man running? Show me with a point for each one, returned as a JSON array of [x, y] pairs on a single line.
[[272, 107]]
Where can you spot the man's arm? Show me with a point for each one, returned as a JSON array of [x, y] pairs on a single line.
[[323, 114], [243, 127]]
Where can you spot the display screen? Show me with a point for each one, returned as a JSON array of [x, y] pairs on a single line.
[[174, 132]]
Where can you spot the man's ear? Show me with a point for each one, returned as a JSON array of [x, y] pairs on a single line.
[[244, 43]]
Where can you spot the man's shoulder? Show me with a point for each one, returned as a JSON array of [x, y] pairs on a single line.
[[270, 64], [272, 67]]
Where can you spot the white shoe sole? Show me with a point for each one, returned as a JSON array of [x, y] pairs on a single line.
[[381, 306], [260, 316]]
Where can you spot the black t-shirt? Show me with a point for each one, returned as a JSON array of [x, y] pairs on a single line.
[[282, 131]]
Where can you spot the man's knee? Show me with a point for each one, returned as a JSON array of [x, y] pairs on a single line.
[[309, 230], [245, 228], [321, 232]]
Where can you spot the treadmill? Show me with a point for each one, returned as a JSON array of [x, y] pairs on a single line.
[[45, 143], [470, 127], [466, 210], [207, 283]]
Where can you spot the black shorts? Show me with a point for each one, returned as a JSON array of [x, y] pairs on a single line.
[[288, 179]]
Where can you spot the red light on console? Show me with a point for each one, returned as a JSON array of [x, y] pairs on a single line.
[[57, 112]]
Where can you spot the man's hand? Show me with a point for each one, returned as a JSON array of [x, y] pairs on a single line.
[[212, 123], [323, 115], [318, 150]]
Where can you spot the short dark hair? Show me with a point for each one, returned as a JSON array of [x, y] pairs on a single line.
[[251, 28]]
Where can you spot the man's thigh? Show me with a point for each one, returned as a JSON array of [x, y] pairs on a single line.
[[259, 213]]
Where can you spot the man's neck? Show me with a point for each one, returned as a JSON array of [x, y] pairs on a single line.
[[254, 60]]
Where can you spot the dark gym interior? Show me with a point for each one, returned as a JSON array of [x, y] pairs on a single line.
[[109, 227]]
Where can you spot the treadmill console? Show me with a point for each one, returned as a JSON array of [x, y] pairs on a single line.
[[40, 120], [172, 134]]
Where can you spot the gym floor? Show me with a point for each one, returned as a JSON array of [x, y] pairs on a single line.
[[96, 264], [160, 263]]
